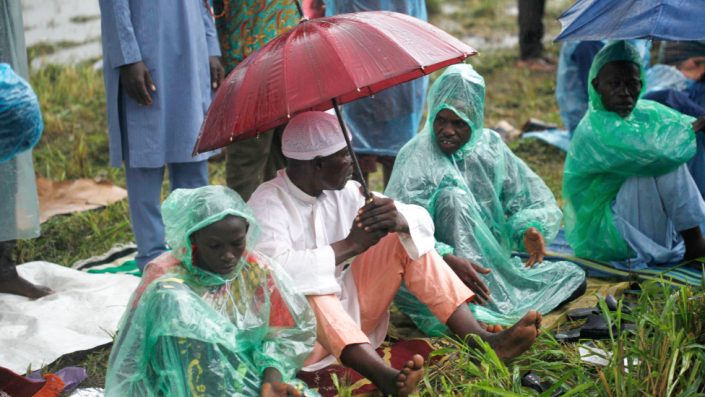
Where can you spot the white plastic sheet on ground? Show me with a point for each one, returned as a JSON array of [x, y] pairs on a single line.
[[80, 316]]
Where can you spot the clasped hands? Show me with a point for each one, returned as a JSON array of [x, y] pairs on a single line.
[[374, 221], [469, 271]]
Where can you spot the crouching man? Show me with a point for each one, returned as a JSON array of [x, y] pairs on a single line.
[[314, 218]]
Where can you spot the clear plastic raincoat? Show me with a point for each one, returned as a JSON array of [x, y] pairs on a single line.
[[482, 199], [606, 150], [191, 332], [383, 123]]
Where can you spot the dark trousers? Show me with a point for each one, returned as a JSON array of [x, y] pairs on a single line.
[[531, 28], [251, 162]]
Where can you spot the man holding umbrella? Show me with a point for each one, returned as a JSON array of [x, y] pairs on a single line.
[[314, 219]]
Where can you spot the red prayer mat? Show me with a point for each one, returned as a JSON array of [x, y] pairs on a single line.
[[394, 353], [18, 386]]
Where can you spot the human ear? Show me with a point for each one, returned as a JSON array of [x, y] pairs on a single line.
[[596, 84], [318, 162]]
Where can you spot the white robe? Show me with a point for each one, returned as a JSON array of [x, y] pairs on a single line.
[[298, 230]]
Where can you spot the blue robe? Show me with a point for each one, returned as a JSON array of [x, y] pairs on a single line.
[[174, 38], [383, 124]]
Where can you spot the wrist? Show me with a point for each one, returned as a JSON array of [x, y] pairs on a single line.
[[354, 248]]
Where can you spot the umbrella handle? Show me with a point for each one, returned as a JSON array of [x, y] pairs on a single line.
[[358, 171], [301, 11]]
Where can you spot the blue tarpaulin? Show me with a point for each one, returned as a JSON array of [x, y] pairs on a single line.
[[671, 20]]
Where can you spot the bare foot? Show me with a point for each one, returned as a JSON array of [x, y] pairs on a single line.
[[409, 377], [516, 340], [19, 286]]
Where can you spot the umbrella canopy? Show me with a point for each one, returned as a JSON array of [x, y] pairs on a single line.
[[320, 62], [670, 20]]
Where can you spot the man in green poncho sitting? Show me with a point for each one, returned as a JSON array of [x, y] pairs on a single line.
[[485, 202], [212, 317], [629, 196]]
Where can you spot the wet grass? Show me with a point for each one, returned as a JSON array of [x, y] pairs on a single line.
[[664, 357]]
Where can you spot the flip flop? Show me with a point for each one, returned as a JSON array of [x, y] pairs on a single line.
[[595, 328], [533, 381], [611, 302]]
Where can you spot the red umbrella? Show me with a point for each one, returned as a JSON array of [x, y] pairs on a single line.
[[322, 63]]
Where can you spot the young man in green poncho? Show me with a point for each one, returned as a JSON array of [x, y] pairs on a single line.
[[629, 197], [212, 317], [485, 202]]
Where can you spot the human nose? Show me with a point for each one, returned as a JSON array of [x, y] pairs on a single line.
[[228, 255], [447, 130]]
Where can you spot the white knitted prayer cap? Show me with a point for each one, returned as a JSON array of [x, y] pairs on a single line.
[[312, 134]]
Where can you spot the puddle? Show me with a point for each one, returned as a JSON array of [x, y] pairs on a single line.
[[449, 9], [50, 21]]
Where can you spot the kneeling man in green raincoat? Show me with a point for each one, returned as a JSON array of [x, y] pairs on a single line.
[[485, 202]]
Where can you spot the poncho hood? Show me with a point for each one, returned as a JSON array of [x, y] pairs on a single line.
[[188, 210], [462, 90], [612, 52]]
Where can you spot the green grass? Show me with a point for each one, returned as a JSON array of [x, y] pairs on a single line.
[[664, 357], [669, 342]]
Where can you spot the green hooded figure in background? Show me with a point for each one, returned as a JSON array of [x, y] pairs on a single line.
[[629, 198]]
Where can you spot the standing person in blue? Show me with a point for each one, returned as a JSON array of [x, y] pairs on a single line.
[[383, 123], [160, 61], [574, 65]]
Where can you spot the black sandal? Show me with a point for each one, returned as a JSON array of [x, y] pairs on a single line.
[[595, 328], [610, 301]]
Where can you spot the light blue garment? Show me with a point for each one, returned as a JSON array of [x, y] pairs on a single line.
[[571, 92], [144, 190], [174, 38], [649, 213], [382, 124], [19, 204], [665, 77]]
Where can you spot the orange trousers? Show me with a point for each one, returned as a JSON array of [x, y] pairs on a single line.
[[378, 274]]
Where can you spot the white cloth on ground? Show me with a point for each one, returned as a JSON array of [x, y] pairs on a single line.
[[82, 314], [298, 230], [650, 213]]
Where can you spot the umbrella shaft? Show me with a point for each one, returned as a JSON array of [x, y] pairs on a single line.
[[358, 171], [301, 9]]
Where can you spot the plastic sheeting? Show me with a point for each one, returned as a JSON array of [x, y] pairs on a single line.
[[196, 331], [20, 118], [82, 314], [482, 199], [606, 150], [669, 20], [19, 206], [666, 77], [382, 124], [571, 91]]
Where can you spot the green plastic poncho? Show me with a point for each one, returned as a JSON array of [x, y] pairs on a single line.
[[482, 199], [607, 149], [190, 332]]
